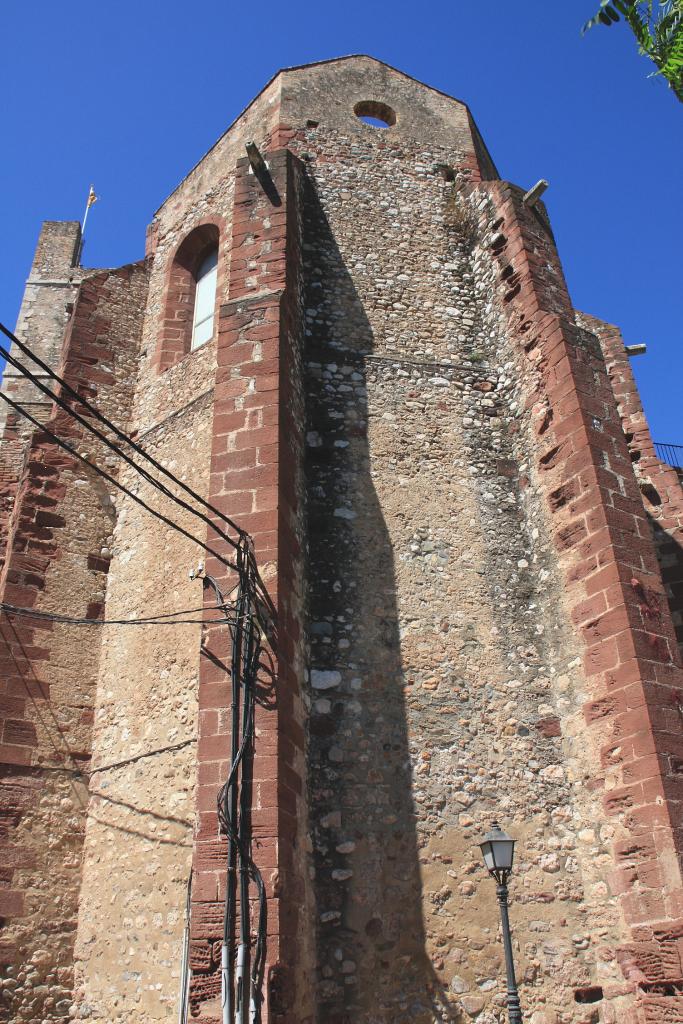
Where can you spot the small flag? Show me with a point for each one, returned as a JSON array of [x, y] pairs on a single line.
[[92, 198]]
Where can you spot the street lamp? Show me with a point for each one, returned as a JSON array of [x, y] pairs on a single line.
[[498, 850]]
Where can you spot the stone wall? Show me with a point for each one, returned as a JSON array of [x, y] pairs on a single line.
[[176, 414], [582, 474], [441, 665], [140, 816], [57, 539], [660, 485], [256, 475], [138, 839], [50, 291], [401, 408]]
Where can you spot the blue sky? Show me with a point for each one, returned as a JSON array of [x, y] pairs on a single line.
[[130, 95]]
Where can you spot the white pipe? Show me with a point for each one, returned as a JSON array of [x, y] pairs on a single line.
[[225, 982], [185, 963], [182, 1017], [239, 982]]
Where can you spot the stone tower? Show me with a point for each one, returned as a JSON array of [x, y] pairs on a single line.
[[457, 510]]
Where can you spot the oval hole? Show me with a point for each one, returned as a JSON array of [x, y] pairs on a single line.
[[374, 113]]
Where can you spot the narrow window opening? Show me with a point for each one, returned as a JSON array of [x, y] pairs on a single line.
[[205, 299], [191, 295]]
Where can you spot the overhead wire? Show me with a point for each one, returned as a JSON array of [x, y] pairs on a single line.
[[248, 618], [94, 411], [110, 444], [168, 619], [249, 669], [112, 480], [141, 757], [233, 807], [265, 602], [243, 823], [184, 1002], [85, 773]]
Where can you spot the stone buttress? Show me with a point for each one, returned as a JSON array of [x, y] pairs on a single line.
[[474, 559]]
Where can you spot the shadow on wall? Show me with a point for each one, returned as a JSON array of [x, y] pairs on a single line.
[[670, 557], [59, 754], [372, 961]]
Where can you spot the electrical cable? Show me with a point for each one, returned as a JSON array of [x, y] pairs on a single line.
[[112, 480], [70, 411], [142, 472], [233, 797], [158, 620], [184, 1003], [254, 616], [141, 757], [85, 773], [58, 400], [119, 433], [250, 669], [229, 803], [65, 387], [243, 805]]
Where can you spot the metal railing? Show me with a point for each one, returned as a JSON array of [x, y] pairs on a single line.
[[672, 454]]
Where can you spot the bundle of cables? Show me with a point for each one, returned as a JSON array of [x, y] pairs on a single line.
[[241, 987], [248, 618]]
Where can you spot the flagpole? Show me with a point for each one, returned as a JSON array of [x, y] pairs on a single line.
[[88, 203]]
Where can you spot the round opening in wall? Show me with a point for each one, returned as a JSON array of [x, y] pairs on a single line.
[[376, 114]]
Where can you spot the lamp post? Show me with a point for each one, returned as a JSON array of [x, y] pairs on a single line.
[[498, 850]]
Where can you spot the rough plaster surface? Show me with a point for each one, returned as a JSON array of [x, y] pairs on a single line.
[[139, 836]]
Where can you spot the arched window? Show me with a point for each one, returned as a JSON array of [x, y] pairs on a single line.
[[204, 299], [193, 282]]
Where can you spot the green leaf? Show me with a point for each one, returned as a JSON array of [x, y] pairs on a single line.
[[658, 28]]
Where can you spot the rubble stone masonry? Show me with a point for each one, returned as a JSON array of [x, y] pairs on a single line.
[[474, 559]]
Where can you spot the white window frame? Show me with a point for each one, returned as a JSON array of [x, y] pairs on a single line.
[[204, 300]]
